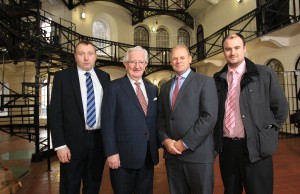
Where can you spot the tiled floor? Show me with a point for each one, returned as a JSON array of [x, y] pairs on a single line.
[[36, 179]]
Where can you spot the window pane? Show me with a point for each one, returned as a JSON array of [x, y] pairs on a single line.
[[141, 37], [101, 31], [183, 37], [162, 38]]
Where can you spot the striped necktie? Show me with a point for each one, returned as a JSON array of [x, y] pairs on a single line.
[[176, 90], [230, 103], [90, 106], [141, 97]]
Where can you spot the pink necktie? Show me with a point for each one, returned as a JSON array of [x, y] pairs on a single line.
[[175, 92], [230, 102], [141, 97]]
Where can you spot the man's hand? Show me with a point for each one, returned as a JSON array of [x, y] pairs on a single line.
[[113, 161], [170, 146], [64, 155], [180, 146]]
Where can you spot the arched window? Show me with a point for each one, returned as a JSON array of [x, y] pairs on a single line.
[[277, 66], [162, 41], [200, 43], [141, 36], [101, 31], [297, 68], [183, 37], [46, 30], [298, 64], [162, 38]]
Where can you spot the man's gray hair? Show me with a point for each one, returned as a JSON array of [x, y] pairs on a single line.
[[137, 48]]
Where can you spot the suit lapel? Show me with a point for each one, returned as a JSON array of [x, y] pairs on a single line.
[[76, 88], [168, 90], [127, 87], [150, 95], [101, 78]]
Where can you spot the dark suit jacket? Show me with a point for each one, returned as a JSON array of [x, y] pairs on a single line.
[[66, 114], [125, 127], [193, 118]]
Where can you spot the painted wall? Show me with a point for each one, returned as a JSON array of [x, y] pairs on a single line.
[[222, 14], [213, 19]]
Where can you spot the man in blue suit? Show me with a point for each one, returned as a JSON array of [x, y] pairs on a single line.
[[129, 127]]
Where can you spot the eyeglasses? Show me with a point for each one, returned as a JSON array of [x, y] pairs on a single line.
[[137, 62]]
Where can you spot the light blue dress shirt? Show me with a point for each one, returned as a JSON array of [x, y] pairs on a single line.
[[184, 76]]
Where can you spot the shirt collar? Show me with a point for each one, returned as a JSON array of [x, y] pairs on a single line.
[[81, 71], [133, 81], [185, 74], [240, 69]]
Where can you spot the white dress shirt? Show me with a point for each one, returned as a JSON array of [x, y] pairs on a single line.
[[98, 92]]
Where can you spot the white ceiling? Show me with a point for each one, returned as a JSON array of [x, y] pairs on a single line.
[[200, 6]]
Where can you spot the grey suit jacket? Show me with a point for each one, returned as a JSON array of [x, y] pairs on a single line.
[[193, 118]]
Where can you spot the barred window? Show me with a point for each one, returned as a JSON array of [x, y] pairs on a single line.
[[141, 36], [183, 37], [101, 31], [162, 38]]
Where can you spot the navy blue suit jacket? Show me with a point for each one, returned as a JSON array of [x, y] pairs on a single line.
[[125, 128]]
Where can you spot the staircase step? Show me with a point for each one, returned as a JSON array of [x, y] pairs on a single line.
[[18, 106], [18, 116]]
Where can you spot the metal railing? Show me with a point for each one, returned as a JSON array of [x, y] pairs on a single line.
[[290, 83], [258, 22]]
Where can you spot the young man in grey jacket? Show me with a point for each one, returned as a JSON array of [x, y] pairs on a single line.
[[252, 109]]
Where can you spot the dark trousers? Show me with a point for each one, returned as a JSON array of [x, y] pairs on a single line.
[[87, 169], [137, 181], [190, 178], [237, 171]]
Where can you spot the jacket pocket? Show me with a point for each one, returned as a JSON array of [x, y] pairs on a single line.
[[268, 141]]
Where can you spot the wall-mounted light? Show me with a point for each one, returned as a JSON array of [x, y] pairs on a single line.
[[239, 1], [83, 15], [154, 27], [155, 82]]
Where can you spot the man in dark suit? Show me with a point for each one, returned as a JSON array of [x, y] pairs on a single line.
[[129, 133], [76, 138], [187, 113]]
